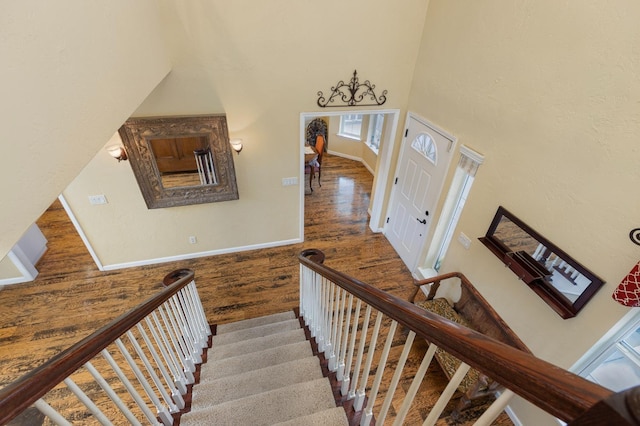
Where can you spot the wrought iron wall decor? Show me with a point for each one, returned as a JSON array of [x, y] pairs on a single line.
[[352, 93]]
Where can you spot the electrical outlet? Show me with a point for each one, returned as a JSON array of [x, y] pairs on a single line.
[[192, 240], [464, 240], [97, 199]]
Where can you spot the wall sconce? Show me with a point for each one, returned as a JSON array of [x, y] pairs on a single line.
[[117, 152], [236, 144]]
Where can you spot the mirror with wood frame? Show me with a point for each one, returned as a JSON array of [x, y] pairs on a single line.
[[180, 161], [562, 282]]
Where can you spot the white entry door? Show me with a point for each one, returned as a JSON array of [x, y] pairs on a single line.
[[422, 167]]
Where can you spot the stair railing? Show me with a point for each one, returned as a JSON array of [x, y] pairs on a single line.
[[136, 370], [348, 318]]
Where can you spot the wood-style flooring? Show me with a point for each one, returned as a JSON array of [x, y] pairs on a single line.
[[71, 298]]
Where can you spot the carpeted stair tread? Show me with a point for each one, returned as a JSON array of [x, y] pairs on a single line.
[[255, 360], [207, 394], [253, 322], [253, 332], [255, 345], [329, 417], [267, 408]]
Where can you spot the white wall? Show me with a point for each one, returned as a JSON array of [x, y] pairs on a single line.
[[71, 73], [548, 92], [261, 63]]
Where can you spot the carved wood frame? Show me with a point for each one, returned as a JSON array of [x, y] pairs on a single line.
[[136, 134]]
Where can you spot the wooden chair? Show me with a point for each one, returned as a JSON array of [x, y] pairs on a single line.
[[320, 148]]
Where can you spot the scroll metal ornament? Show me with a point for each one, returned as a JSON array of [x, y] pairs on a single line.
[[352, 93], [634, 235]]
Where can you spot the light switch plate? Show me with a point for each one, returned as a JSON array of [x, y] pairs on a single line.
[[289, 181]]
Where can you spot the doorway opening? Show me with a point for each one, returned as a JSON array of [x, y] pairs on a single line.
[[380, 168]]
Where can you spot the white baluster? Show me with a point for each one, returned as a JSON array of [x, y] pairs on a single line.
[[446, 395], [179, 379], [93, 408], [178, 342], [199, 336], [495, 409], [193, 291], [396, 378], [368, 412], [306, 296], [311, 297], [346, 377], [344, 336], [317, 300], [156, 380], [112, 394], [176, 396], [183, 317], [165, 416], [360, 354], [415, 385], [328, 348], [323, 313], [184, 332], [132, 391], [361, 393], [342, 297], [51, 413], [301, 296]]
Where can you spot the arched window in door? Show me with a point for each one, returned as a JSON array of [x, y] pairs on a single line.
[[424, 144]]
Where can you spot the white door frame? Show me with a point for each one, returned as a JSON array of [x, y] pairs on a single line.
[[381, 172], [454, 141]]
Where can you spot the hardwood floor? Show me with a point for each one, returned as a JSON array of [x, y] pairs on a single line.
[[71, 298]]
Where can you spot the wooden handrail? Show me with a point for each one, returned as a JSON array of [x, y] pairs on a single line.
[[555, 390], [20, 394]]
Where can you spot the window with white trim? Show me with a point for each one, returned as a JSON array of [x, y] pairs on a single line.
[[376, 123], [463, 179], [617, 365], [351, 126]]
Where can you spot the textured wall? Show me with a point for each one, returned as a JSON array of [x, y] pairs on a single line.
[[262, 64], [71, 74], [548, 91]]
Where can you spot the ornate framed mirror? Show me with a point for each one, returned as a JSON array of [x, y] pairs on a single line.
[[180, 161], [561, 281]]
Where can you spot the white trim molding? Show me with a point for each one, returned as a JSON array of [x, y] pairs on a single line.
[[187, 256], [80, 231]]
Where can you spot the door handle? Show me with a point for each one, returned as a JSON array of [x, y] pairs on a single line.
[[423, 221]]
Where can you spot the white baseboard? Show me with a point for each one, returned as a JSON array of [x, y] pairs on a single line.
[[354, 158], [348, 157], [155, 261]]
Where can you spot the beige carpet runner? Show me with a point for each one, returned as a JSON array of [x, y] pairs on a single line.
[[262, 372]]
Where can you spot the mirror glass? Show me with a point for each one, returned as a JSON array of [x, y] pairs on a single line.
[[181, 160], [558, 278], [561, 275], [176, 159]]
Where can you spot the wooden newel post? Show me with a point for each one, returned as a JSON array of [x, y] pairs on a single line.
[[174, 276], [622, 408]]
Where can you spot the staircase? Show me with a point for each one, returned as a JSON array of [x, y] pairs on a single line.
[[139, 368], [262, 371]]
